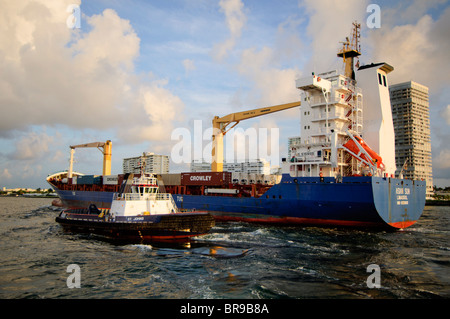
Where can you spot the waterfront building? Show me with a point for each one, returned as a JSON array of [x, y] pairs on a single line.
[[259, 166], [153, 163], [411, 118]]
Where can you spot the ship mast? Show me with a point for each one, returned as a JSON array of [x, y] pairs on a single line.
[[142, 164], [350, 50]]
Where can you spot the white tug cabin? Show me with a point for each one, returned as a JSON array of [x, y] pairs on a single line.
[[143, 200]]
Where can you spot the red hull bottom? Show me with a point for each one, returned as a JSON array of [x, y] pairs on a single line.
[[402, 225], [301, 221]]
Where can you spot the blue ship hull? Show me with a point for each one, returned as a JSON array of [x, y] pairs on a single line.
[[357, 201]]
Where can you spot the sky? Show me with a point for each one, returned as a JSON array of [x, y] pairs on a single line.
[[136, 72]]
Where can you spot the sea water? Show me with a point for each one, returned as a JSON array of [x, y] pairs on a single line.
[[235, 260]]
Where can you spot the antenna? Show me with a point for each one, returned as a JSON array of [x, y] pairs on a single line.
[[142, 163], [351, 49]]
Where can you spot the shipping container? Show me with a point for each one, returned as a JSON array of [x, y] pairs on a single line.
[[89, 180], [171, 179], [206, 178], [85, 180], [110, 179], [98, 180]]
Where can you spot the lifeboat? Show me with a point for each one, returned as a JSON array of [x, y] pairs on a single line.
[[356, 152]]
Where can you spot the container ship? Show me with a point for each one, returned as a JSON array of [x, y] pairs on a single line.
[[340, 172]]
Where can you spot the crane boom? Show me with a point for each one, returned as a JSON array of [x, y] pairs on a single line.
[[106, 155], [220, 125], [95, 144]]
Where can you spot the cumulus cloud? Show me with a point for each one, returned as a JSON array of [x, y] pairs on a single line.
[[159, 108], [418, 50], [80, 78], [235, 19], [261, 67], [271, 85], [329, 23], [32, 146], [406, 12]]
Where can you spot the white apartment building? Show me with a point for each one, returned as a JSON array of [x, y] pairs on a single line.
[[259, 166], [153, 163], [411, 117]]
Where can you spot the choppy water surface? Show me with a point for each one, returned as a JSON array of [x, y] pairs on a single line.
[[235, 260]]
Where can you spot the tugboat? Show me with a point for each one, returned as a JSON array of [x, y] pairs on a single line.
[[139, 212]]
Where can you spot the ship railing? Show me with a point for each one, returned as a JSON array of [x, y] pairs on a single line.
[[331, 116], [145, 180], [145, 196]]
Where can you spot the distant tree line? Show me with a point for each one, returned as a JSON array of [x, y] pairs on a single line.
[[23, 191], [440, 189], [441, 196]]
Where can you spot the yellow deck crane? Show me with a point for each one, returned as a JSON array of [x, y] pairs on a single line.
[[106, 155], [220, 125]]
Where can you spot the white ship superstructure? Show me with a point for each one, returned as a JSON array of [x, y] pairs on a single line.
[[331, 106], [342, 117]]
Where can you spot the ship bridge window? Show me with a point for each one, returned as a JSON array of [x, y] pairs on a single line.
[[384, 80], [379, 79]]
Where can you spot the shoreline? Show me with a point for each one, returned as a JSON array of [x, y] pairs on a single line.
[[437, 202]]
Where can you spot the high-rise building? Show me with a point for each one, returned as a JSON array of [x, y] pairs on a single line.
[[154, 164], [411, 117]]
